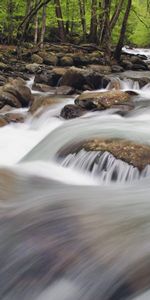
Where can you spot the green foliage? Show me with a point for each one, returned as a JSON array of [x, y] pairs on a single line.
[[12, 13]]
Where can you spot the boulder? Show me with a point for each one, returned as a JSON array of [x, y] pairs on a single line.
[[139, 67], [65, 90], [73, 77], [32, 68], [101, 68], [8, 99], [6, 108], [2, 80], [127, 64], [103, 100], [66, 61], [41, 103], [20, 91], [4, 67], [3, 121], [133, 153], [117, 68], [36, 59], [72, 111], [15, 117], [78, 78], [50, 59], [44, 88], [47, 77]]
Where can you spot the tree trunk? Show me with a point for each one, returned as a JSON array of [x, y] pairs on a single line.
[[67, 15], [43, 26], [36, 29], [60, 20], [93, 27], [83, 19], [105, 36], [118, 50], [10, 12], [116, 14]]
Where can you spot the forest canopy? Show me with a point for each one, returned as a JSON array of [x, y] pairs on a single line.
[[74, 21]]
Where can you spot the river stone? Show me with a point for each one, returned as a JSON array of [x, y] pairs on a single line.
[[41, 103], [20, 91], [41, 87], [78, 78], [36, 59], [72, 111], [73, 77], [15, 117], [50, 59], [103, 100], [65, 90], [66, 61], [32, 68], [3, 121], [9, 99], [133, 153]]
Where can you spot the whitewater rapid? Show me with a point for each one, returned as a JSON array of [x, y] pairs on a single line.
[[65, 232]]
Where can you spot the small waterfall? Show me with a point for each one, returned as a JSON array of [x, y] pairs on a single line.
[[123, 84], [104, 166]]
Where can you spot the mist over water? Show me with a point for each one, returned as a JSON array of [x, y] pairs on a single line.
[[76, 226]]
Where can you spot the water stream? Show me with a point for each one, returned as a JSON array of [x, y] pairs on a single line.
[[71, 229]]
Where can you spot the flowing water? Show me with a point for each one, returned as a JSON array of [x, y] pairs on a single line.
[[74, 227]]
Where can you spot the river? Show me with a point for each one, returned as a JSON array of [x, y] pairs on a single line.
[[68, 232]]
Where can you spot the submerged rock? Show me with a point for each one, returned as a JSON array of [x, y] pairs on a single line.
[[71, 111], [41, 103], [3, 121], [103, 100]]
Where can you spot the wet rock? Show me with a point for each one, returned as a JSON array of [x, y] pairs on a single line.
[[47, 77], [65, 90], [3, 121], [114, 84], [103, 100], [133, 153], [4, 67], [8, 98], [41, 103], [43, 88], [36, 59], [2, 80], [71, 111], [66, 61], [139, 67], [78, 78], [117, 68], [14, 117], [20, 91], [6, 108], [101, 69], [73, 77], [50, 59], [127, 64], [32, 68]]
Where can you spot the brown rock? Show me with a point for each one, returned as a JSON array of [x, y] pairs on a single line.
[[65, 90], [15, 117], [37, 59], [133, 153], [71, 111], [8, 98], [20, 91], [103, 100], [43, 102], [3, 121]]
